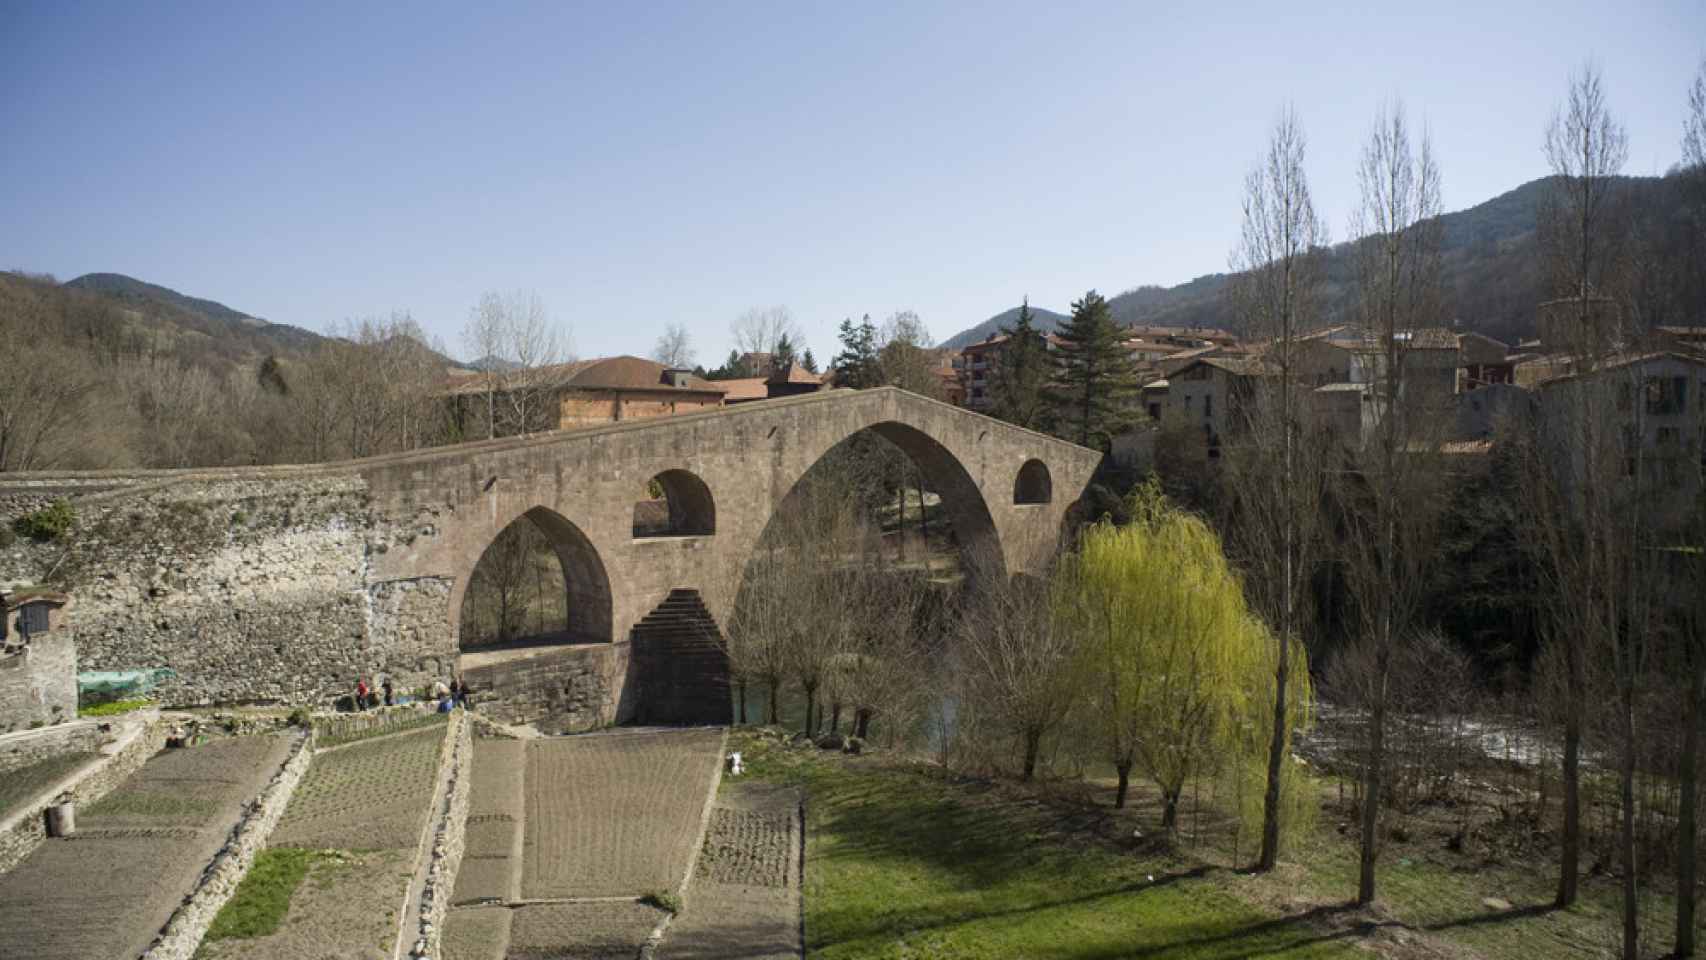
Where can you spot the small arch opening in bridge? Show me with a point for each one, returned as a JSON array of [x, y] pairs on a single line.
[[1033, 484], [539, 581], [677, 504]]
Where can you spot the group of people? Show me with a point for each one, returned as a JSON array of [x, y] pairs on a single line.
[[445, 697]]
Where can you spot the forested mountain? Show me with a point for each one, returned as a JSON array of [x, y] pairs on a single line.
[[1491, 263], [1046, 320], [111, 372], [206, 316]]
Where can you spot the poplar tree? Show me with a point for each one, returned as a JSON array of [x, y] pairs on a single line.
[[1095, 379], [1022, 373]]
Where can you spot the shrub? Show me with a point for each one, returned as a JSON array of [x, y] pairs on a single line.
[[666, 900], [113, 708], [49, 523], [299, 717]]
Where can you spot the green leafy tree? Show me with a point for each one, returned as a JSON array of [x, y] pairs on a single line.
[[1021, 375], [858, 364], [1095, 379], [1175, 660]]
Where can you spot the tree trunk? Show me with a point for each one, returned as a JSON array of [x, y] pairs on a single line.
[[862, 722], [811, 706], [835, 717], [1125, 782], [743, 703], [1371, 783], [1685, 829], [1269, 855], [1569, 860], [1033, 744], [775, 691], [1626, 841], [1170, 807]]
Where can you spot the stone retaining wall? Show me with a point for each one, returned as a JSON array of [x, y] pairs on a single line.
[[562, 689], [444, 855], [141, 738], [183, 933], [250, 590], [38, 683]]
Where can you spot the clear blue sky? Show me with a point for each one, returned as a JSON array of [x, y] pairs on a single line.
[[637, 164]]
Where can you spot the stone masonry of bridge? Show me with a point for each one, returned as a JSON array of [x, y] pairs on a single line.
[[283, 583]]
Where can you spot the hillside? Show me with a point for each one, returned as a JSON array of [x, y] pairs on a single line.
[[208, 317], [1491, 265], [1045, 319]]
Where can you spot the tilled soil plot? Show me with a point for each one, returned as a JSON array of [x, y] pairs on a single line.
[[744, 902], [581, 931], [491, 858], [477, 933], [346, 908], [106, 891], [371, 796], [615, 814]]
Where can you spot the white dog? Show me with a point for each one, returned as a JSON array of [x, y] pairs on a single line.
[[736, 766]]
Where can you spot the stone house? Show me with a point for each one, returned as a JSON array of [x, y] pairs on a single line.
[[588, 392], [38, 662]]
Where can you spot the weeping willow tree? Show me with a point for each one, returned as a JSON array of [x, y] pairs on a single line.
[[1175, 659]]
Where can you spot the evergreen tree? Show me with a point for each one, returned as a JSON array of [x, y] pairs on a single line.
[[783, 355], [1095, 380], [808, 361], [1021, 376], [858, 365]]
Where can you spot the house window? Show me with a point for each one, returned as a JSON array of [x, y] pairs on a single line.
[[1155, 411], [1667, 395], [1208, 405]]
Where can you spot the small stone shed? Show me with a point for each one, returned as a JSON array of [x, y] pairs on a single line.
[[38, 661]]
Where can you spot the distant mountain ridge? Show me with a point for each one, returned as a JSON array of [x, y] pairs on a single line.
[[1491, 266], [207, 316]]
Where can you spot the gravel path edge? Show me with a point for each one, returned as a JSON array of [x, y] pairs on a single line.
[[182, 934]]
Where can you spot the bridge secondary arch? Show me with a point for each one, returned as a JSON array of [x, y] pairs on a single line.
[[585, 583]]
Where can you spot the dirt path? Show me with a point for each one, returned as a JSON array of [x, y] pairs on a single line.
[[587, 824], [744, 901], [106, 891]]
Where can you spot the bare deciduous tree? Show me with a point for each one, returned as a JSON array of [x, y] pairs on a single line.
[[762, 329], [518, 347], [1274, 463], [1694, 627], [674, 348], [1395, 497], [1579, 228]]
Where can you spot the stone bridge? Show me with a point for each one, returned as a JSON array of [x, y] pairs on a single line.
[[284, 583]]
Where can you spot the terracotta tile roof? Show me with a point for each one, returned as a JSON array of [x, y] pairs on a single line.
[[794, 373], [599, 373], [1618, 363], [745, 388]]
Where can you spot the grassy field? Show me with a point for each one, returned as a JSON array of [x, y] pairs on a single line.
[[904, 861], [263, 898]]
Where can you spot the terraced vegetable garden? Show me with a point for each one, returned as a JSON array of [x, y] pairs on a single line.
[[363, 806], [615, 814], [108, 889], [21, 784], [612, 815]]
